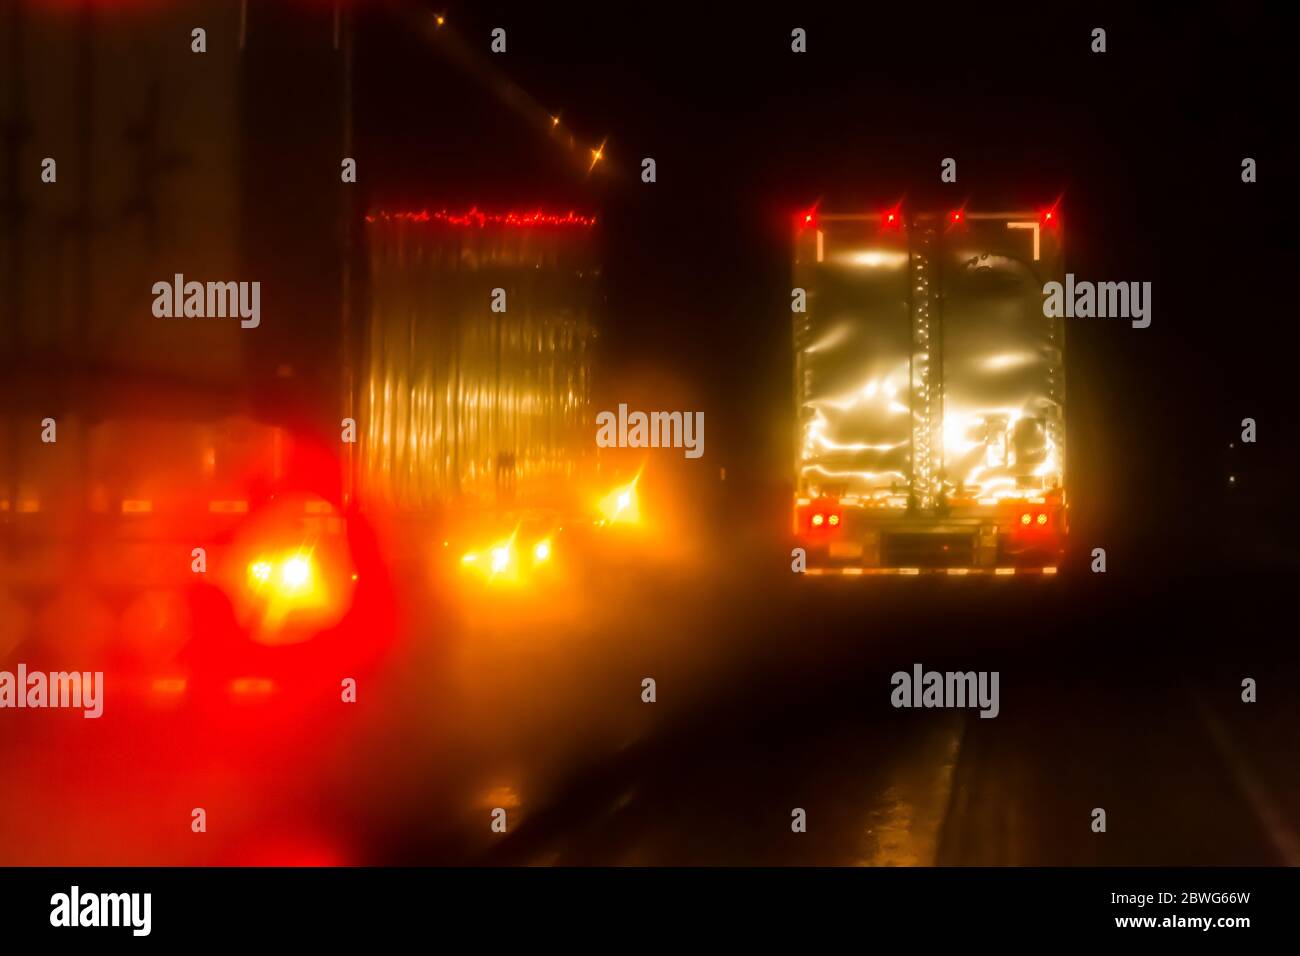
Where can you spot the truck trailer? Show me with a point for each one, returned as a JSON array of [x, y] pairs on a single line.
[[476, 379], [478, 368], [929, 392]]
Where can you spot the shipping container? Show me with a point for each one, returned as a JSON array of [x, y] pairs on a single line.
[[122, 179], [138, 448]]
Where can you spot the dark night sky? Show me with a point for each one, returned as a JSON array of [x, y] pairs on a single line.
[[1145, 142]]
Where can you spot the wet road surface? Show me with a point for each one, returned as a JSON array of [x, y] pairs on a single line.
[[772, 695]]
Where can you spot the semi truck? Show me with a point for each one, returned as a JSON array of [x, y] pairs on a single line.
[[166, 508], [182, 496], [929, 392]]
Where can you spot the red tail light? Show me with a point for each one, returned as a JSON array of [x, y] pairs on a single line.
[[818, 515]]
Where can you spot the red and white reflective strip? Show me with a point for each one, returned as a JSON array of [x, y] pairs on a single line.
[[914, 572]]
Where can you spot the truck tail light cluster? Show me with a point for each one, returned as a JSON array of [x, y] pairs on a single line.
[[823, 515], [1030, 519]]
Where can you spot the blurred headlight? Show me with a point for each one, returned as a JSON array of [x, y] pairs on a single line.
[[295, 574], [289, 576], [620, 506]]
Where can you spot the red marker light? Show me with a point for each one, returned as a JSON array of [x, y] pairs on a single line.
[[817, 520], [834, 520], [1024, 519], [956, 217], [477, 218]]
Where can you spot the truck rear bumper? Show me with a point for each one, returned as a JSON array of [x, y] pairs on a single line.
[[976, 544]]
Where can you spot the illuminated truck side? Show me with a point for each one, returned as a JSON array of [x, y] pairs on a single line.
[[475, 387], [929, 392]]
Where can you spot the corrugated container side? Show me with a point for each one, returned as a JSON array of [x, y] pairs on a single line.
[[463, 404]]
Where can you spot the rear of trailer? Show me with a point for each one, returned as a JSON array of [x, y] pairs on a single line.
[[929, 392]]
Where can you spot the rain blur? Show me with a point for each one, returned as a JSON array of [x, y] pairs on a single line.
[[364, 587]]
